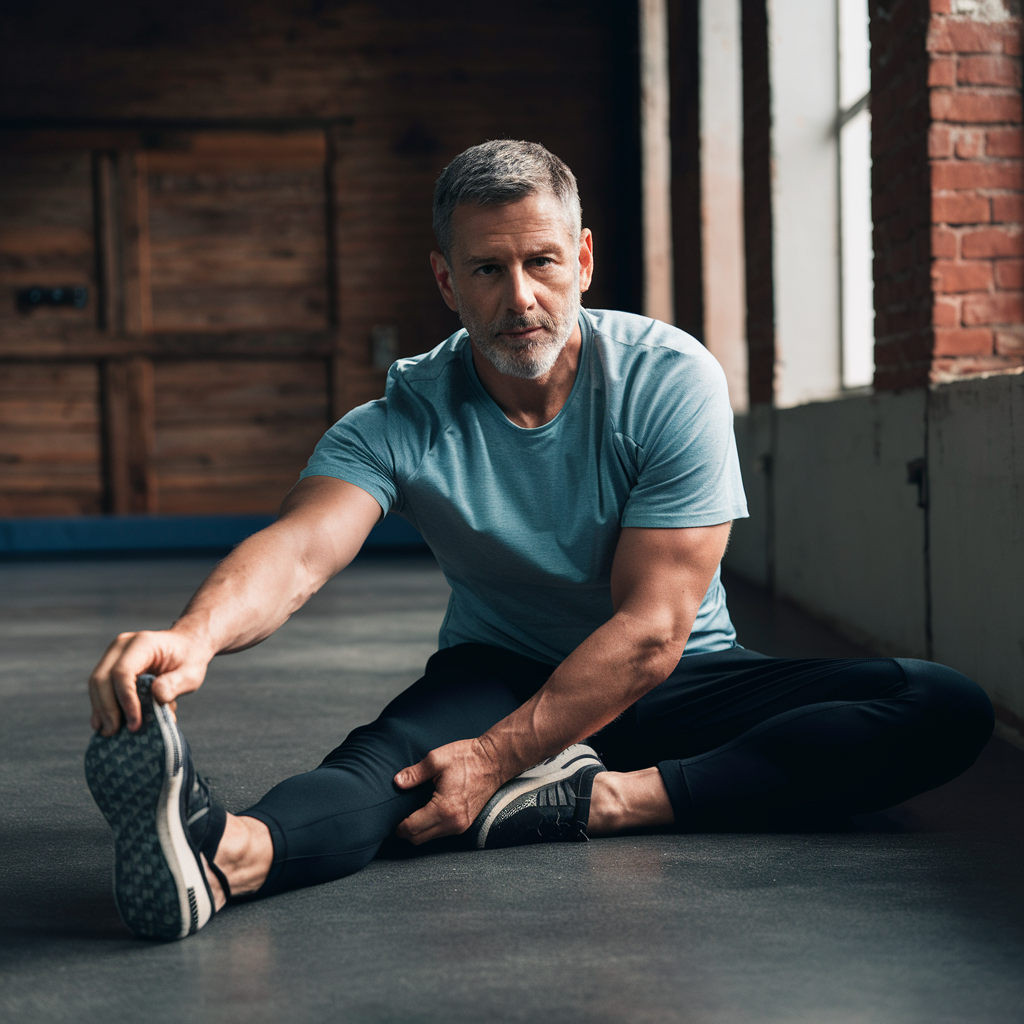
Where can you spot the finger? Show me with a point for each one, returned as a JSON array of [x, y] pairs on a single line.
[[139, 656], [168, 686], [424, 825], [415, 775], [106, 712]]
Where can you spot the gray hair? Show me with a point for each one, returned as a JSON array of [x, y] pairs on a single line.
[[499, 173]]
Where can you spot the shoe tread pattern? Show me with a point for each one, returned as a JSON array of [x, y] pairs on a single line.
[[126, 773]]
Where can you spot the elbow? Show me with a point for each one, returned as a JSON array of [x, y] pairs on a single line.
[[657, 653]]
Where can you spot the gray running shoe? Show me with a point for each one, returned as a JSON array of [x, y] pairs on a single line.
[[147, 788], [548, 803]]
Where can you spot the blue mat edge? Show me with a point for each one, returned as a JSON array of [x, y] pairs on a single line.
[[156, 532]]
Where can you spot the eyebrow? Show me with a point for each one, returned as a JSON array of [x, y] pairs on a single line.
[[548, 250]]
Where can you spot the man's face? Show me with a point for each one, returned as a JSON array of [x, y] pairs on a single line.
[[515, 279]]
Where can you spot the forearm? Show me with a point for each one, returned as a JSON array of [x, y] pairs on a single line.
[[612, 669], [251, 593]]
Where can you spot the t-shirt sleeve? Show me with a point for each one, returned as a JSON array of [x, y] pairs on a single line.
[[688, 471], [356, 450]]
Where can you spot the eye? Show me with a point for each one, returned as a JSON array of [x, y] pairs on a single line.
[[487, 270], [543, 261]]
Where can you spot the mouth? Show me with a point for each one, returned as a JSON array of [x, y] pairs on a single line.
[[530, 334]]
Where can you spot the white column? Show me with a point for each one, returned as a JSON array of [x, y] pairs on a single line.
[[721, 191], [803, 72], [656, 162]]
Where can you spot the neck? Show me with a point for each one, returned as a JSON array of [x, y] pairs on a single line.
[[532, 403]]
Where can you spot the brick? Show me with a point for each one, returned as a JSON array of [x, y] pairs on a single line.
[[1004, 142], [946, 313], [1010, 342], [944, 242], [942, 71], [938, 39], [968, 145], [960, 208], [974, 107], [974, 276], [988, 242], [988, 70], [971, 174], [972, 37], [997, 308], [940, 141], [968, 366], [1009, 274], [959, 341], [1008, 209]]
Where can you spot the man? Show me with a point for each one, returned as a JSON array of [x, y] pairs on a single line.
[[575, 473]]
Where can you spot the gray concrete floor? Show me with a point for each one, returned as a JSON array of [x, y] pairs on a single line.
[[914, 915]]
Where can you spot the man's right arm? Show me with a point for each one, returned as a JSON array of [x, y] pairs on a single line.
[[252, 592]]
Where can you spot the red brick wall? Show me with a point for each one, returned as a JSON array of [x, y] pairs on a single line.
[[975, 149], [947, 193]]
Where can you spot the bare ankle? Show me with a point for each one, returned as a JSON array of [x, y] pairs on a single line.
[[622, 800], [607, 806], [244, 856]]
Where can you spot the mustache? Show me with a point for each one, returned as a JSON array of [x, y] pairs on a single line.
[[521, 323]]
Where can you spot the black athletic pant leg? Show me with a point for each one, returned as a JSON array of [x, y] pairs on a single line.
[[329, 822], [738, 738], [742, 738]]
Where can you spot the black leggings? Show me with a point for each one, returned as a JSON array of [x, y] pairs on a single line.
[[739, 738]]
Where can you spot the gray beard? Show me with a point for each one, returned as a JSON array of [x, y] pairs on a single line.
[[526, 360]]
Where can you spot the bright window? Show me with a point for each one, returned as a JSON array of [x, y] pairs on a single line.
[[857, 331]]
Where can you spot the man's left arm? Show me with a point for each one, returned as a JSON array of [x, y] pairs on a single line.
[[659, 578]]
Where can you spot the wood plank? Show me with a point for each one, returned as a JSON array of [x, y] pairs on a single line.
[[67, 501], [46, 235], [237, 233], [50, 456], [109, 283], [18, 341], [133, 220], [234, 435], [352, 386], [129, 426]]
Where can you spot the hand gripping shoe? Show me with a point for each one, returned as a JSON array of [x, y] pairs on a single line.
[[549, 803], [160, 810]]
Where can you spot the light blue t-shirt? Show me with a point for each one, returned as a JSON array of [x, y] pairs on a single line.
[[524, 522]]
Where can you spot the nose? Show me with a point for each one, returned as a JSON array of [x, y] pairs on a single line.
[[519, 297]]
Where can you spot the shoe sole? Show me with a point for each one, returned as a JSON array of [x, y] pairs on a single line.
[[533, 779], [136, 779]]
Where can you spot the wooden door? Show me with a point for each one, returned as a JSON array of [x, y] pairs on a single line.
[[204, 366]]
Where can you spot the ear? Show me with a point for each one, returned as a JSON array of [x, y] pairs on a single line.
[[586, 259], [443, 277]]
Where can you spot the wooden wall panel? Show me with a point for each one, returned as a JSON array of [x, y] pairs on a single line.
[[237, 232], [46, 233], [232, 435], [128, 406], [49, 439]]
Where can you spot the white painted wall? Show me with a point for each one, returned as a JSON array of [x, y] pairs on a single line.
[[839, 530], [803, 76], [976, 457], [849, 535], [721, 188]]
